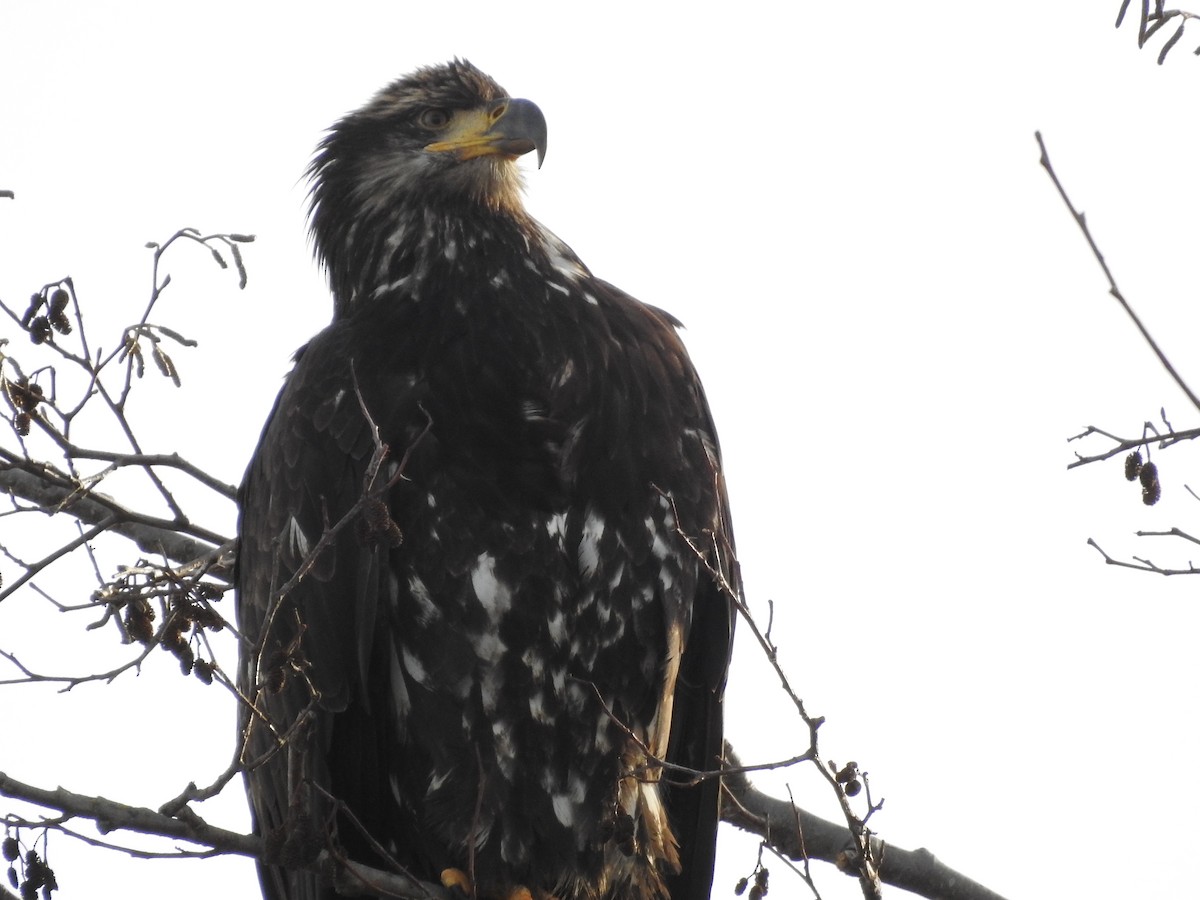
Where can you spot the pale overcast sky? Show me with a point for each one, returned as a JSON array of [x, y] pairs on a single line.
[[897, 323]]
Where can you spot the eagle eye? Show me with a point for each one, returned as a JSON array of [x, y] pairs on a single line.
[[435, 119]]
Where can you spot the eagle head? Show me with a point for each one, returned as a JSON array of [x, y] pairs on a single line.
[[442, 137]]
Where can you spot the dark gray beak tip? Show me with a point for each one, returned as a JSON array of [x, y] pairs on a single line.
[[523, 120]]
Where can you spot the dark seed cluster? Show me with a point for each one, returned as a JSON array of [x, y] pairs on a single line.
[[24, 398], [619, 827], [280, 661], [42, 325], [849, 778], [1133, 465], [625, 834], [758, 889], [1151, 489], [275, 671], [1147, 474], [186, 620], [58, 311], [39, 330], [185, 608], [34, 875], [376, 525], [139, 620], [300, 843]]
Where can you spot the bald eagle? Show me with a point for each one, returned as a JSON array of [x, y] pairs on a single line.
[[486, 569]]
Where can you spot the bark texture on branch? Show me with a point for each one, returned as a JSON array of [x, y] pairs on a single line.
[[52, 495], [794, 832], [109, 815], [798, 835], [349, 878]]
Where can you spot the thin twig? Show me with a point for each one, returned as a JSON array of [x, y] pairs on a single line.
[[1112, 284], [1142, 565]]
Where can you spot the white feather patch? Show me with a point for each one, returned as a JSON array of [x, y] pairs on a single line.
[[556, 525], [414, 667], [495, 596], [295, 538], [564, 810], [400, 702], [589, 543]]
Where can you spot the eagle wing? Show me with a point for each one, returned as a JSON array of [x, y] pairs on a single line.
[[312, 639]]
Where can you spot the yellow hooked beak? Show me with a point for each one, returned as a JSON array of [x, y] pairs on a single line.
[[506, 127]]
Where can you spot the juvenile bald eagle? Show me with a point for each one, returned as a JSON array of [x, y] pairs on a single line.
[[474, 675]]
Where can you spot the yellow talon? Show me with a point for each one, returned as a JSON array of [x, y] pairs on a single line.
[[457, 878]]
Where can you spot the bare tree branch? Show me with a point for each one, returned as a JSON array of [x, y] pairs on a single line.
[[54, 491], [1124, 445], [1145, 565], [110, 815], [348, 877], [791, 831], [1081, 221], [801, 835]]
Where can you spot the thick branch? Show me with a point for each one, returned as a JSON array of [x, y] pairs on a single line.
[[150, 536], [349, 878], [801, 835], [110, 815], [791, 831], [146, 460]]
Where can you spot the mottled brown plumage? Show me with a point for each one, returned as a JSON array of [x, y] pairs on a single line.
[[470, 658]]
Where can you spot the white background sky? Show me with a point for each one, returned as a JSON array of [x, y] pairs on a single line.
[[897, 323]]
